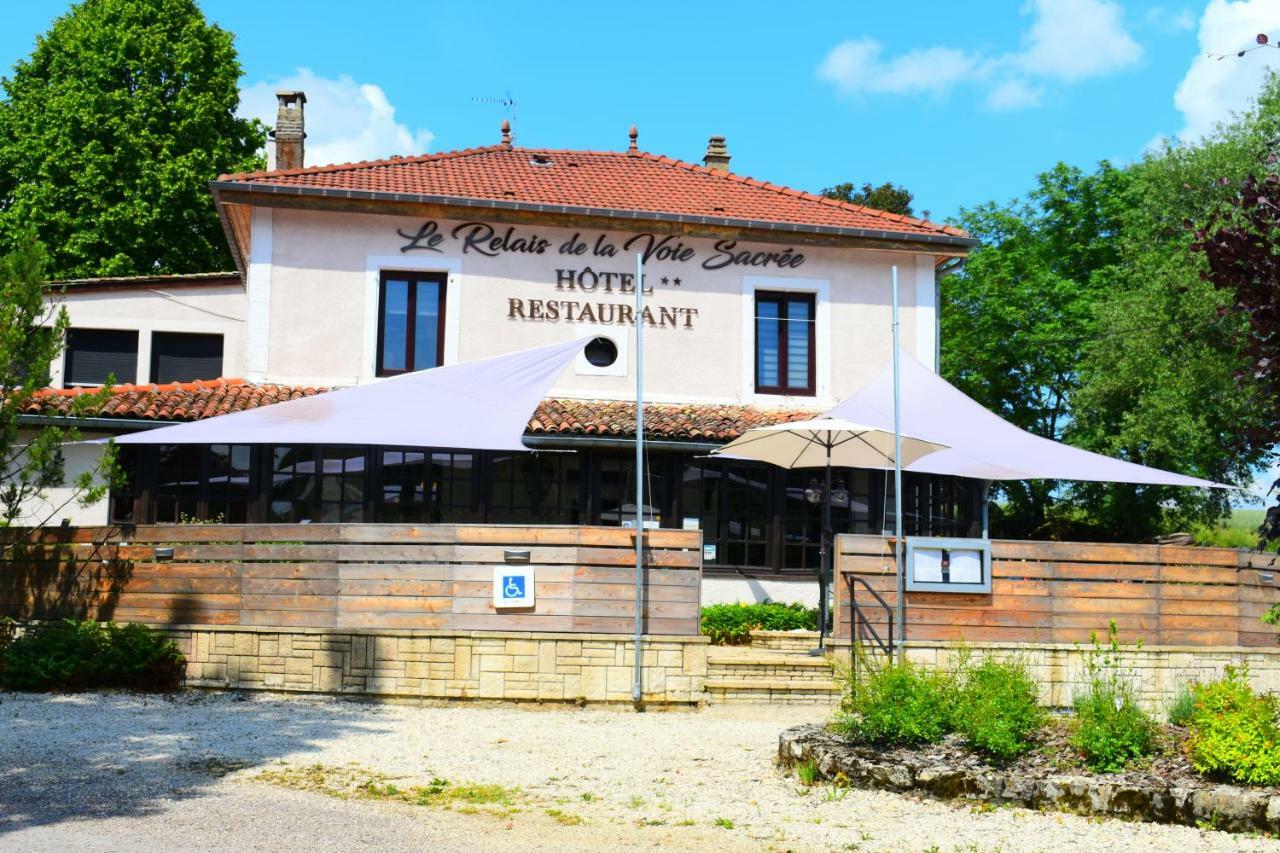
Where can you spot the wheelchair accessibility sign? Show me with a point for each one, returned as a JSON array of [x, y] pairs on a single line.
[[512, 586]]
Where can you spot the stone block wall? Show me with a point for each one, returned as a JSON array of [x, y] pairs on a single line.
[[484, 665]]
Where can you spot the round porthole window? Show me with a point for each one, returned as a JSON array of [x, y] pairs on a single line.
[[601, 352]]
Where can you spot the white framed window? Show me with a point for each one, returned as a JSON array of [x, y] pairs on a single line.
[[786, 330], [382, 267]]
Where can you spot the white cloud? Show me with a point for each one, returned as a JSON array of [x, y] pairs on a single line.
[[855, 66], [1014, 94], [1072, 40], [1068, 41], [1214, 89], [346, 121]]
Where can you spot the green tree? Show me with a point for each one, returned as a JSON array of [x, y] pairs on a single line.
[[1160, 379], [1085, 318], [110, 132], [32, 331], [887, 197], [1016, 316]]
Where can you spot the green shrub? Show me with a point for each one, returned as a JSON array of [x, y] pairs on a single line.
[[997, 708], [899, 703], [1234, 732], [732, 624], [78, 655], [1111, 728], [1182, 706]]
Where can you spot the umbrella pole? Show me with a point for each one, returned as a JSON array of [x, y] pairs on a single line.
[[637, 685], [824, 601], [897, 482]]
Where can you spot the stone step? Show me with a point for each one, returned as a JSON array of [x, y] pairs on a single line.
[[745, 674], [760, 691], [769, 671], [747, 664], [784, 641]]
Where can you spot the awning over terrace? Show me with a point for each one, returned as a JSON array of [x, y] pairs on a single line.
[[980, 444], [481, 405]]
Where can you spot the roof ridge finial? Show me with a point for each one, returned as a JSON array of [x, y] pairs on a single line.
[[633, 135], [506, 133]]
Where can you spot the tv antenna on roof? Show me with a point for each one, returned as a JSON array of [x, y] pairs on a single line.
[[510, 108]]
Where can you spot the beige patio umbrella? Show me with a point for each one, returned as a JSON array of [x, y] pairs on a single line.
[[822, 443]]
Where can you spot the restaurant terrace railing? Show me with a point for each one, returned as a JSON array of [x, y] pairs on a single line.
[[369, 576], [1062, 592]]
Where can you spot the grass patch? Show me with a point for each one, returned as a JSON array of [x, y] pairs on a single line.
[[357, 783], [1240, 530], [564, 818], [723, 823]]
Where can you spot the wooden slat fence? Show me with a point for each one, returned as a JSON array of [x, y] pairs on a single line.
[[1061, 592], [350, 576]]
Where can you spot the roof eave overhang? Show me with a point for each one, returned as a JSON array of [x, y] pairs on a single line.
[[92, 422], [238, 252], [271, 193]]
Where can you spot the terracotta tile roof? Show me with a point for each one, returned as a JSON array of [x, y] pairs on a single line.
[[604, 182], [193, 401], [177, 401], [687, 421]]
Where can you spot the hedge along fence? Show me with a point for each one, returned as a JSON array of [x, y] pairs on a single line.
[[367, 576], [1061, 592]]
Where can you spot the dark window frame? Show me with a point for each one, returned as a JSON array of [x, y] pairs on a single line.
[[69, 351], [782, 298], [160, 336], [411, 317]]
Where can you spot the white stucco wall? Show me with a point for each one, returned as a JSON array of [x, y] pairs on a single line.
[[61, 502], [207, 309], [751, 591], [316, 301]]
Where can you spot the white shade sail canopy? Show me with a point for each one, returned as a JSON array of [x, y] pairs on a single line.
[[980, 444], [479, 405], [824, 441]]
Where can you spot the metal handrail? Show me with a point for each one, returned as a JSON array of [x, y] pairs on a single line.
[[859, 623]]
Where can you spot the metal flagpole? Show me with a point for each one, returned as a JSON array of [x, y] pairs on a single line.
[[636, 685], [897, 480]]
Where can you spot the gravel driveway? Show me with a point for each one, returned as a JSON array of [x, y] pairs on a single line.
[[121, 772]]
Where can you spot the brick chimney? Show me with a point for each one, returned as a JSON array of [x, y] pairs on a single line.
[[717, 156], [290, 130]]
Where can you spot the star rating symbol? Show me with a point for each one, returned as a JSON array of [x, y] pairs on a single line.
[[665, 280], [676, 282]]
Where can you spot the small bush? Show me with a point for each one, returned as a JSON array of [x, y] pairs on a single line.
[[1234, 732], [732, 624], [901, 703], [1182, 706], [997, 708], [1110, 728], [79, 655]]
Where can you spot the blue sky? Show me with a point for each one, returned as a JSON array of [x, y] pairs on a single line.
[[960, 106]]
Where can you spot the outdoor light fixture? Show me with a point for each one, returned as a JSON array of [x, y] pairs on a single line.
[[813, 494], [164, 553], [516, 555]]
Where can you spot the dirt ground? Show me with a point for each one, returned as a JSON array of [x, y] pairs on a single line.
[[223, 771]]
